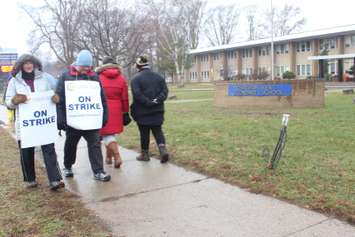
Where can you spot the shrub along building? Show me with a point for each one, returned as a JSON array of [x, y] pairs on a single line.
[[327, 53]]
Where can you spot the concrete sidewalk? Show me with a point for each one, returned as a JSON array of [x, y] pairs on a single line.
[[151, 199]]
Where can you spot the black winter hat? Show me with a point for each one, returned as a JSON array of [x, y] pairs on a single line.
[[108, 59]]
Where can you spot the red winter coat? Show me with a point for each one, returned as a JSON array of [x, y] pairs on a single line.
[[116, 91]]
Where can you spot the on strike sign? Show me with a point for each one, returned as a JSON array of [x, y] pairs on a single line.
[[38, 120], [83, 104]]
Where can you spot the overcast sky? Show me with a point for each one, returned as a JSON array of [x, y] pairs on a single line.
[[15, 25]]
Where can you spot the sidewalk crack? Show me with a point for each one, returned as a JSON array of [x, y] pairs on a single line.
[[128, 195], [308, 227]]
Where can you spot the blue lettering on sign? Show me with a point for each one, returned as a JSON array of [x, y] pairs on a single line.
[[260, 90], [40, 119], [84, 99], [85, 104], [92, 106]]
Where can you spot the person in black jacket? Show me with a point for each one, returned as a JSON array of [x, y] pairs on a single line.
[[81, 70], [149, 92]]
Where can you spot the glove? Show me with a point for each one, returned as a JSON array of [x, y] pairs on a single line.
[[155, 101], [18, 99], [126, 119], [55, 99], [62, 126], [61, 121]]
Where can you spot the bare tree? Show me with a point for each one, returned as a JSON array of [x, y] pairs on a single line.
[[111, 31], [57, 23], [177, 25], [253, 22], [221, 23], [287, 20]]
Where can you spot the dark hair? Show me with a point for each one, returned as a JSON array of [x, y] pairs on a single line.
[[24, 59], [108, 59]]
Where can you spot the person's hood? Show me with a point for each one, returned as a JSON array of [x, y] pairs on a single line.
[[109, 70], [26, 58]]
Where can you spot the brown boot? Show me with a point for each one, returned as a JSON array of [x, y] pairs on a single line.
[[108, 155], [116, 154], [144, 156]]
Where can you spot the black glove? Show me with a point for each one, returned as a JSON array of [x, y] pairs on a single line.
[[126, 119], [61, 125], [61, 119]]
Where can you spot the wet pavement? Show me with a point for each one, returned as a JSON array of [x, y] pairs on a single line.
[[153, 199]]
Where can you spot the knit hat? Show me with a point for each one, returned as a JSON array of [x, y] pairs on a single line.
[[84, 58], [142, 61]]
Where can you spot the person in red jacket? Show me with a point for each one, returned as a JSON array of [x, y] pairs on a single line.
[[116, 90]]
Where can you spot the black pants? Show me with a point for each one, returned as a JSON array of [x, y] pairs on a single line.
[[27, 156], [92, 138], [145, 135]]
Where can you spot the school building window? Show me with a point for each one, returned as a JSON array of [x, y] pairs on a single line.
[[325, 44], [231, 54], [247, 53], [281, 49], [204, 58], [352, 40], [280, 70], [304, 46], [304, 70]]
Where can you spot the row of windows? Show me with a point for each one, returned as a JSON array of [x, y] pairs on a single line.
[[281, 49], [304, 70], [247, 53], [232, 54], [279, 70], [304, 46], [247, 71], [325, 44], [204, 58], [264, 51], [194, 75]]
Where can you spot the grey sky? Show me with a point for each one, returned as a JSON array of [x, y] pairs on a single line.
[[15, 25]]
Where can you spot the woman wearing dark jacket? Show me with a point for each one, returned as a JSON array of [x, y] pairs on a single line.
[[28, 77], [149, 92], [116, 90]]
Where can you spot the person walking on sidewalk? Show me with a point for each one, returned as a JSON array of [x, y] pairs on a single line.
[[28, 77], [116, 92], [81, 70], [149, 92]]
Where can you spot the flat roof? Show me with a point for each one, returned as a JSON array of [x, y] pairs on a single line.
[[335, 56], [292, 37]]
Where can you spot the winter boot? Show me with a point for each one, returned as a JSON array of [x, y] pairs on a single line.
[[144, 156], [108, 155], [113, 146], [164, 155]]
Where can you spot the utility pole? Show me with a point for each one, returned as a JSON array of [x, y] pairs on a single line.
[[272, 42]]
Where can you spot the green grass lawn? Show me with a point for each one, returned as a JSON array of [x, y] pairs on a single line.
[[39, 212], [317, 169]]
